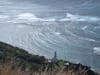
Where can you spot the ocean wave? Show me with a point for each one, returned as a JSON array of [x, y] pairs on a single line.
[[97, 50], [72, 17], [84, 28], [27, 16], [33, 17]]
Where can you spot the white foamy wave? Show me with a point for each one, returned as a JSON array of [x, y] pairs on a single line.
[[27, 16], [84, 28], [57, 33], [96, 50], [31, 17], [71, 17], [52, 19]]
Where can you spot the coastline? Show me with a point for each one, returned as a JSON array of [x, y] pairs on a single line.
[[19, 59]]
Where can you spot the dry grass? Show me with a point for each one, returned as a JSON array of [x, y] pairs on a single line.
[[8, 70]]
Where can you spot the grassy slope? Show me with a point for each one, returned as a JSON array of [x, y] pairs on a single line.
[[16, 61], [10, 54]]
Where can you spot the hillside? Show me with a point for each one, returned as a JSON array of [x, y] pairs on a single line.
[[10, 54], [17, 61]]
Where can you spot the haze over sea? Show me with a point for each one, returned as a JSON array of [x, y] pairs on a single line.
[[70, 27]]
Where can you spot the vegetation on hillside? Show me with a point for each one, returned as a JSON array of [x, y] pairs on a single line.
[[19, 57], [16, 61]]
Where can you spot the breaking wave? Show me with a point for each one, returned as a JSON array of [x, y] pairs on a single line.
[[97, 50], [72, 17]]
